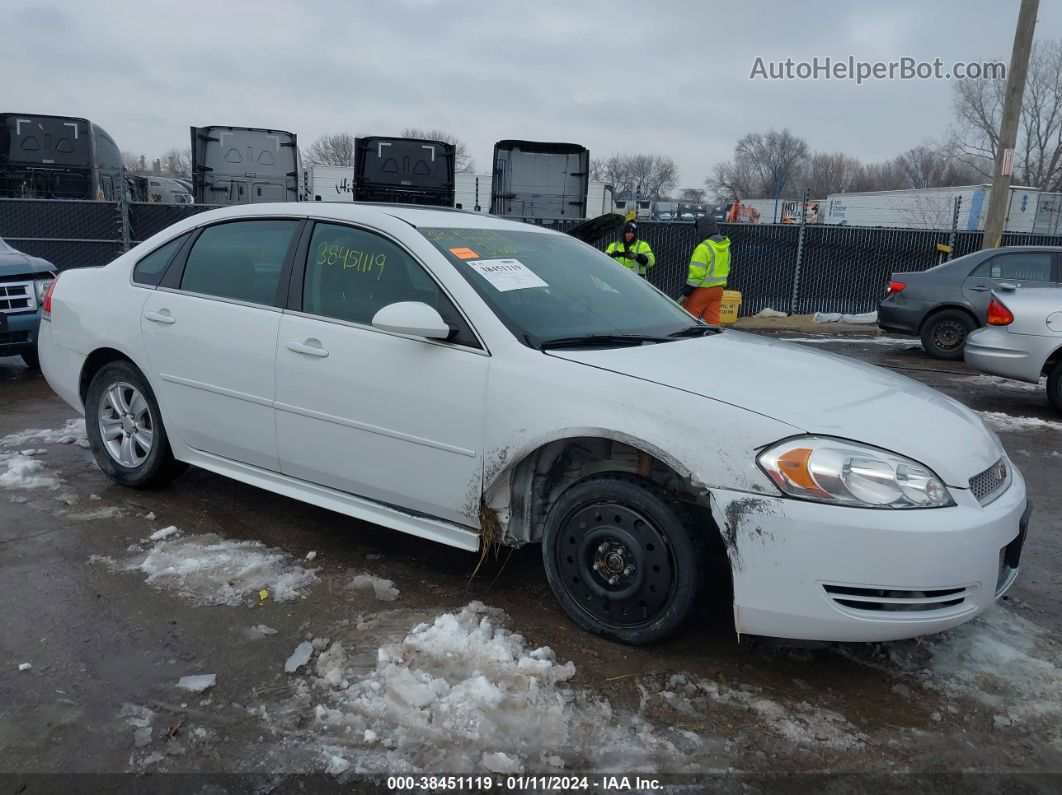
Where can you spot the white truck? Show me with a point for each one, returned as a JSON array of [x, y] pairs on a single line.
[[1028, 210], [331, 183]]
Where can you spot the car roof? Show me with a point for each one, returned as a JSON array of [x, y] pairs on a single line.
[[413, 214]]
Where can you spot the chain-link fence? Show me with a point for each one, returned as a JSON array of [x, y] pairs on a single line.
[[788, 267]]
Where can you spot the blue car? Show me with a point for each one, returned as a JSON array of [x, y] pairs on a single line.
[[23, 281]]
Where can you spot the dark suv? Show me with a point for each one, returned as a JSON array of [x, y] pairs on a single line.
[[944, 304], [23, 280]]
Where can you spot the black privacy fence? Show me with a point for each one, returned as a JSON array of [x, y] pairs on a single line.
[[791, 268]]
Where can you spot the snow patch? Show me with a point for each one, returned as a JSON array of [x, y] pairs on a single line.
[[302, 654], [382, 589], [1007, 422], [73, 432], [197, 684], [110, 512], [18, 471], [865, 318], [852, 340], [25, 667], [210, 570], [463, 694], [768, 312], [1006, 383], [165, 532]]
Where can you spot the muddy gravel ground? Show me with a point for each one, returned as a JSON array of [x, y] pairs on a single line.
[[310, 643]]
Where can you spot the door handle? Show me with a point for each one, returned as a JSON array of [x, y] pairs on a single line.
[[980, 289], [308, 348], [161, 317]]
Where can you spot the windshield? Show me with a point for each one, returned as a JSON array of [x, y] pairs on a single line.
[[547, 286]]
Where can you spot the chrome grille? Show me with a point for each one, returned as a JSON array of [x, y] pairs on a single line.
[[989, 484], [894, 600], [17, 297]]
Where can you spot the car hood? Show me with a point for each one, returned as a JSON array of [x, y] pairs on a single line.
[[15, 262], [816, 391]]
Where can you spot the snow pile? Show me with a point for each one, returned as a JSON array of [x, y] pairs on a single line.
[[20, 471], [768, 312], [73, 432], [211, 570], [302, 654], [1002, 660], [1006, 383], [197, 684], [837, 317], [1007, 422], [165, 532], [382, 589], [465, 695], [799, 723]]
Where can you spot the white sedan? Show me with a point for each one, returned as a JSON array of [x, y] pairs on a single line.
[[474, 380]]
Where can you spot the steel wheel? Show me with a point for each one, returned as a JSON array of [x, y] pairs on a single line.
[[949, 334], [615, 564], [126, 425]]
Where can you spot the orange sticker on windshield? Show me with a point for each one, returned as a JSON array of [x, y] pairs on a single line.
[[464, 253]]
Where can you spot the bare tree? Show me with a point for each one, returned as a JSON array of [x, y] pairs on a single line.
[[645, 174], [463, 160], [879, 176], [979, 106], [134, 163], [176, 163], [832, 172], [336, 149], [926, 166], [760, 161], [692, 195]]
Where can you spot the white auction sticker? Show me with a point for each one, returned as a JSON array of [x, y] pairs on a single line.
[[506, 274]]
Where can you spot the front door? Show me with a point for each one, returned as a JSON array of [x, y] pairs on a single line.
[[211, 340], [395, 419]]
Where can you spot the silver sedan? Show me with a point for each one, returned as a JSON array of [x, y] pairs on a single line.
[[1023, 338]]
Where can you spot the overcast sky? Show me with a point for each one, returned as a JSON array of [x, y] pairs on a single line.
[[613, 76]]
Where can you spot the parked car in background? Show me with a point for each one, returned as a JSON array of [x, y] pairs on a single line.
[[1023, 338], [437, 372], [23, 282], [944, 304]]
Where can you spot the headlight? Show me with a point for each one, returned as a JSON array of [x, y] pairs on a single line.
[[844, 473], [40, 287]]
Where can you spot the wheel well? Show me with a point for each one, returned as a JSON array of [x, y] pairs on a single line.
[[535, 483], [1052, 360], [938, 309], [94, 363]]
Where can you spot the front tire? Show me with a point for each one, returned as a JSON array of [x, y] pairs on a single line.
[[623, 559], [1054, 387], [125, 430], [944, 334]]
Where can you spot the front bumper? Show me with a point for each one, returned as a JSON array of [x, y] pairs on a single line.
[[809, 571], [997, 351], [18, 333]]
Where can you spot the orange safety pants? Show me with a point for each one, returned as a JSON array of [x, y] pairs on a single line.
[[705, 302]]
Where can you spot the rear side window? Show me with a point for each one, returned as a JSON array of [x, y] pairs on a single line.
[[240, 260], [150, 269], [1029, 266]]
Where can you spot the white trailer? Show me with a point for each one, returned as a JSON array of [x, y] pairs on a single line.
[[933, 208], [331, 183], [599, 199], [472, 192]]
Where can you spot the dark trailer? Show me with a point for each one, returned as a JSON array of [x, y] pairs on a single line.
[[57, 157], [244, 165], [535, 179], [406, 170]]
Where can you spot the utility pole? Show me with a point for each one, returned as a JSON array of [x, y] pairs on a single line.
[[1008, 129]]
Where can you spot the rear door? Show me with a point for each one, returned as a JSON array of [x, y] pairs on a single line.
[[1024, 268], [210, 331]]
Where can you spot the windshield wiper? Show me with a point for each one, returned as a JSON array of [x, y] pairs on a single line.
[[695, 331], [601, 339]]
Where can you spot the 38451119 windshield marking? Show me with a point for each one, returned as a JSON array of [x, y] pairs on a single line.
[[333, 254]]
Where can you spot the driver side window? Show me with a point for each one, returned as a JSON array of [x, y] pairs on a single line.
[[351, 274]]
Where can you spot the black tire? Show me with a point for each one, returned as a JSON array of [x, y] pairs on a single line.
[[623, 522], [159, 466], [944, 334], [1054, 387], [32, 360]]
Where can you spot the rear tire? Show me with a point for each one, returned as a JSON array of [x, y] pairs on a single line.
[[1054, 387], [944, 334], [32, 360], [622, 558], [125, 430]]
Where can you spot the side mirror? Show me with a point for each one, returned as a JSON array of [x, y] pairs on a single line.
[[413, 318], [1008, 286]]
